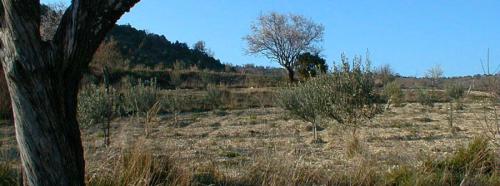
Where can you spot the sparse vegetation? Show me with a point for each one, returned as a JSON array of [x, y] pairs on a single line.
[[455, 92], [140, 96], [216, 96], [178, 116]]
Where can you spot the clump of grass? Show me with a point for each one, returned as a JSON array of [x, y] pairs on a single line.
[[477, 159], [354, 146], [472, 165], [269, 171], [141, 167], [208, 175]]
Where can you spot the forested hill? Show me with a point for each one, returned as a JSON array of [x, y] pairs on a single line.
[[149, 49]]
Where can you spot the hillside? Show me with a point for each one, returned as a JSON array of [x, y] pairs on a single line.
[[141, 47]]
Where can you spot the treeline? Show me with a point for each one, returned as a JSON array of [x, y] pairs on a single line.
[[142, 48]]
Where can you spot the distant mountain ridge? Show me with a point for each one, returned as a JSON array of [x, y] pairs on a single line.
[[151, 49]]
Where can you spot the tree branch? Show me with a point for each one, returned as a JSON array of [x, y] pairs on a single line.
[[83, 26]]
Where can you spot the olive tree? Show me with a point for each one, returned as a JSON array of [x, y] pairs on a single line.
[[43, 77], [346, 96], [282, 38], [455, 92]]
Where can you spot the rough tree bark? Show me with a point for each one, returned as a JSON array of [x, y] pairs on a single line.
[[43, 79]]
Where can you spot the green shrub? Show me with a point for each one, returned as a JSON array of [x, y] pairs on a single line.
[[95, 104], [139, 98], [347, 95], [455, 91], [306, 100], [216, 96], [174, 104], [425, 98], [394, 94]]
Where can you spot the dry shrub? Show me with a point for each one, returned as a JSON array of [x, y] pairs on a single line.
[[140, 97], [216, 97]]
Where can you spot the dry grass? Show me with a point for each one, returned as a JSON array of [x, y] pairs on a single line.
[[263, 146]]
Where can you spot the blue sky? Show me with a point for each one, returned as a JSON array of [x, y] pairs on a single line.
[[410, 35]]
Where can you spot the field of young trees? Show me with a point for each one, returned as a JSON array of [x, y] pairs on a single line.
[[94, 103]]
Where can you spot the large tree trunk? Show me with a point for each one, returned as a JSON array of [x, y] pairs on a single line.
[[46, 128], [43, 79]]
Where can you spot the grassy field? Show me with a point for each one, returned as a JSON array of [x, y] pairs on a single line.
[[264, 141]]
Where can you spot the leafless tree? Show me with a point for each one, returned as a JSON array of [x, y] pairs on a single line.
[[435, 73], [43, 79], [108, 56], [202, 47], [283, 38]]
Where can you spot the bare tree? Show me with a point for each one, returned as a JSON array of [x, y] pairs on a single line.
[[435, 73], [108, 56], [202, 47], [283, 38], [43, 79]]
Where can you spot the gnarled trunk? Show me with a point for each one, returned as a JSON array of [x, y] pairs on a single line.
[[43, 79], [47, 131]]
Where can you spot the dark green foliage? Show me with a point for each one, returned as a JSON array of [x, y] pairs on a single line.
[[141, 47], [311, 65]]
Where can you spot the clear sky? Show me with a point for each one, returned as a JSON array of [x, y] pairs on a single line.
[[410, 35]]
